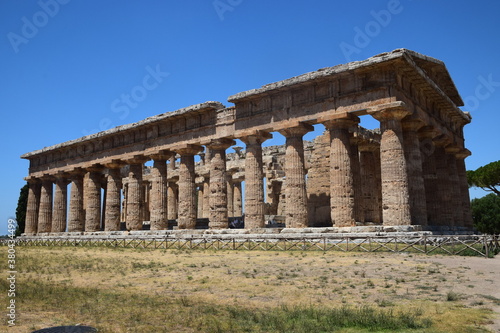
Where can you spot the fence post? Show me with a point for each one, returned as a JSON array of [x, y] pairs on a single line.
[[486, 248], [425, 243]]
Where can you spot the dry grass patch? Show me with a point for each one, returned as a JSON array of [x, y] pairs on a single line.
[[137, 290]]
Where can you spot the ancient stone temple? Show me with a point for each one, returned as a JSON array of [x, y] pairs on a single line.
[[409, 172]]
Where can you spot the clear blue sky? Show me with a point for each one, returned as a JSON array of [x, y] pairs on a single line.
[[65, 65]]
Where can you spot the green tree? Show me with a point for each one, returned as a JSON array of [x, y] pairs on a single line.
[[486, 177], [486, 214], [22, 204]]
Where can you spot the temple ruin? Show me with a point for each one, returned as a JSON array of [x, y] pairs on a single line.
[[409, 173]]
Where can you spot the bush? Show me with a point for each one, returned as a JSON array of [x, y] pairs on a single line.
[[486, 214]]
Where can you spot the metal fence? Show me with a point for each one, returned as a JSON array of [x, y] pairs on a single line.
[[475, 245]]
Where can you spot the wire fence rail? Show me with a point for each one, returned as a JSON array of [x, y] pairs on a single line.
[[472, 245]]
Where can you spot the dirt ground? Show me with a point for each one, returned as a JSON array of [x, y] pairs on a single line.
[[272, 278], [483, 274]]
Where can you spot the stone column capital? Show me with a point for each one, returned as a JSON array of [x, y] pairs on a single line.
[[452, 149], [162, 155], [76, 173], [115, 164], [62, 177], [443, 141], [32, 180], [137, 159], [189, 150], [202, 157], [412, 124], [48, 178], [463, 153], [297, 131], [427, 132], [95, 168], [390, 113], [346, 121], [238, 149], [220, 144], [254, 138]]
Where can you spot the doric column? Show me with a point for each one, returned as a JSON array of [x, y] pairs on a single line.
[[172, 194], [295, 190], [45, 208], [416, 187], [199, 194], [218, 183], [135, 193], [427, 150], [124, 201], [443, 182], [158, 193], [370, 184], [464, 188], [395, 195], [356, 174], [31, 224], [273, 195], [254, 180], [454, 181], [104, 194], [230, 196], [206, 198], [60, 203], [342, 201], [187, 187], [76, 218], [237, 194], [92, 198], [113, 196]]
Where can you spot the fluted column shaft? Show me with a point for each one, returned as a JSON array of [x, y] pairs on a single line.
[[92, 193], [342, 201], [456, 199], [158, 193], [254, 181], [443, 185], [356, 174], [199, 193], [237, 194], [416, 187], [187, 188], [370, 185], [45, 208], [172, 201], [59, 213], [113, 199], [135, 195], [218, 218], [31, 224], [394, 174], [295, 191], [427, 150], [464, 188], [230, 196], [76, 218], [206, 198]]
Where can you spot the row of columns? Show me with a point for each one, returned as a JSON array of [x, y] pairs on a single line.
[[392, 182]]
